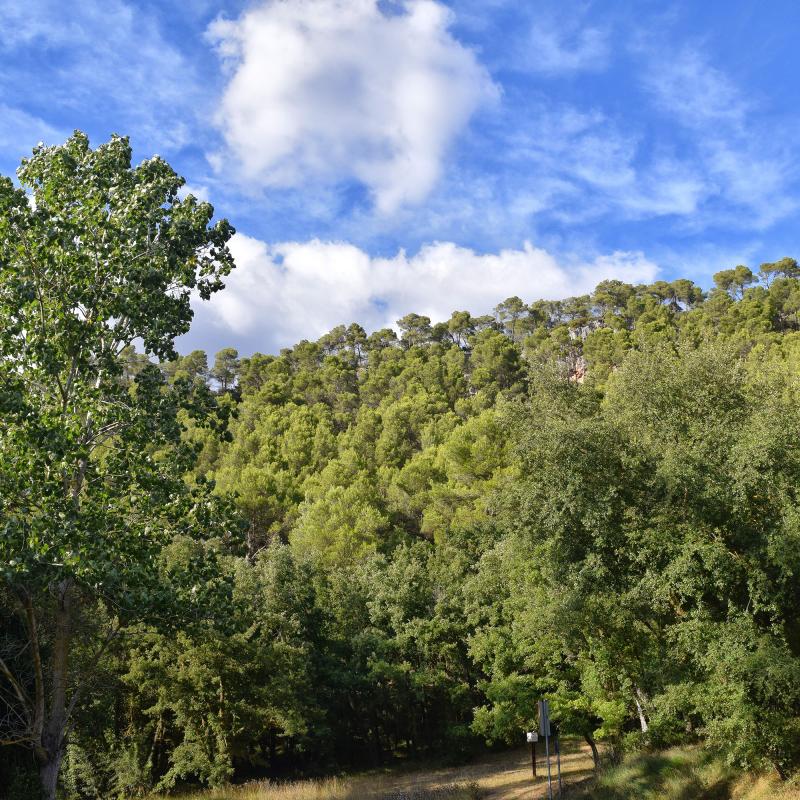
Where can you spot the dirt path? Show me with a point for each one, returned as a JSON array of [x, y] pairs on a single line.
[[506, 776]]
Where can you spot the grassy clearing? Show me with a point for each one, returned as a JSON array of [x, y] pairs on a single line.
[[367, 787], [688, 773], [495, 776]]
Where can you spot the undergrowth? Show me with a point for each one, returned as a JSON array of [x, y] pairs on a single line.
[[687, 773]]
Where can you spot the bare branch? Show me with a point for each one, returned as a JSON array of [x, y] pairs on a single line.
[[19, 689]]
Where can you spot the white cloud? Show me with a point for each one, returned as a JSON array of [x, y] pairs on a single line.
[[746, 160], [721, 161], [198, 190], [549, 37], [336, 90], [556, 48], [585, 165], [686, 86], [282, 293]]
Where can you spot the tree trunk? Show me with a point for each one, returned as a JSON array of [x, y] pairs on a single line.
[[639, 697], [48, 775], [595, 752], [51, 751], [614, 750]]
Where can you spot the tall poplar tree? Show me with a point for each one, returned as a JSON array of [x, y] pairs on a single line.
[[95, 254]]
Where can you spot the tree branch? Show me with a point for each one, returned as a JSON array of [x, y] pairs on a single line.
[[37, 723], [19, 689]]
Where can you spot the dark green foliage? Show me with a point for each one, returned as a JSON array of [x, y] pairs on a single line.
[[592, 499]]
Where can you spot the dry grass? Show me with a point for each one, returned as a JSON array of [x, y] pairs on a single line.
[[497, 776], [764, 788], [369, 788], [688, 773], [684, 773]]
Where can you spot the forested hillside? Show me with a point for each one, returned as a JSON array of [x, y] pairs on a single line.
[[593, 500]]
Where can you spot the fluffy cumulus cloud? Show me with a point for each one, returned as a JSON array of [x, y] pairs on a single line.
[[282, 293], [342, 90]]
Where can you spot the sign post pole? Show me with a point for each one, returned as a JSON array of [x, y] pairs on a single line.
[[532, 738], [544, 729], [549, 779], [558, 762]]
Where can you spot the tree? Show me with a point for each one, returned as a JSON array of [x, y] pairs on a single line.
[[98, 255], [192, 367], [253, 371], [133, 362], [734, 280], [226, 368], [495, 361], [416, 330], [685, 291], [356, 342], [460, 327], [380, 340], [512, 315], [786, 267]]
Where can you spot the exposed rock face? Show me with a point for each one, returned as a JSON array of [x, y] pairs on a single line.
[[579, 369]]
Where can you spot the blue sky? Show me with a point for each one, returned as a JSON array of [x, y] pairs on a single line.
[[384, 157]]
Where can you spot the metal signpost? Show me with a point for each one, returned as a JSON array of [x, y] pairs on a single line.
[[544, 730], [558, 761]]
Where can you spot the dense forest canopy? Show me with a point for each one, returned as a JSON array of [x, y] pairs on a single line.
[[402, 540]]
